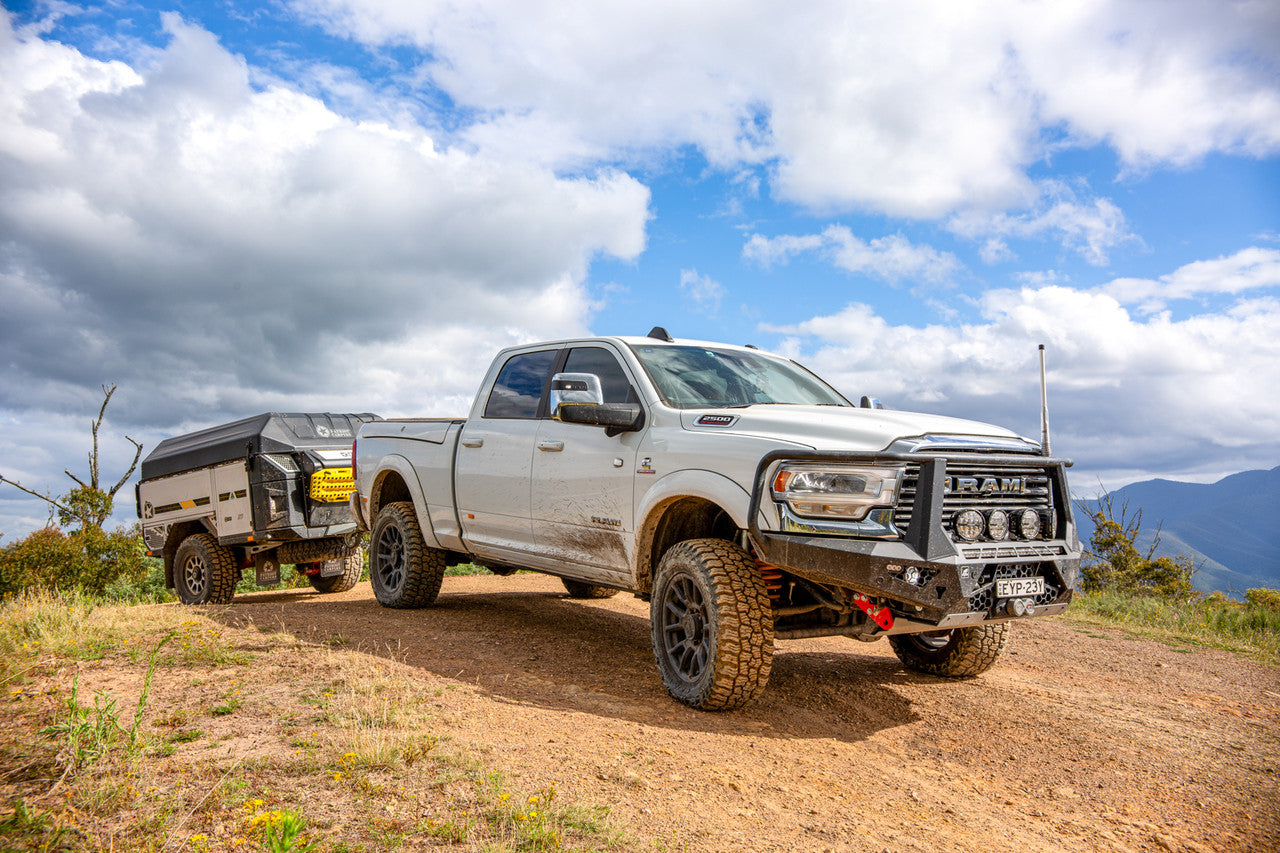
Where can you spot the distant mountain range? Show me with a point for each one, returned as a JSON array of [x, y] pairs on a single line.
[[1230, 529]]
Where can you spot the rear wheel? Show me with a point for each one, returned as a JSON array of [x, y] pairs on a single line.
[[958, 653], [352, 565], [405, 572], [711, 625], [204, 572], [578, 589]]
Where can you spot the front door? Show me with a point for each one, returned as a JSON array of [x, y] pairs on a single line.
[[583, 479]]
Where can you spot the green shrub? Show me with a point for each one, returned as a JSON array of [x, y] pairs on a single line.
[[1113, 562], [88, 559], [1263, 599], [1251, 626]]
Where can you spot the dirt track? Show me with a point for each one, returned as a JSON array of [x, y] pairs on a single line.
[[1079, 739]]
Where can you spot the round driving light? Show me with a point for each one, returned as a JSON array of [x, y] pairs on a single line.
[[1029, 524], [911, 575], [998, 524], [968, 525]]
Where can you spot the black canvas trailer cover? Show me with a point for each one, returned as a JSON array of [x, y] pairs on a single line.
[[271, 432]]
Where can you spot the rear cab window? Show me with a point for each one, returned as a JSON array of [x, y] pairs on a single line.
[[521, 385]]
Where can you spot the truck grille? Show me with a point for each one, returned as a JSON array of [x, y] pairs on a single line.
[[980, 485]]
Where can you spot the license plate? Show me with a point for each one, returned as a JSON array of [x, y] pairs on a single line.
[[1019, 587]]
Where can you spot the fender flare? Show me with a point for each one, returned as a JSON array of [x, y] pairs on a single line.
[[401, 466], [718, 489]]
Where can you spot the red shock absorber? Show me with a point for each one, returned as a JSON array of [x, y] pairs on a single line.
[[772, 576]]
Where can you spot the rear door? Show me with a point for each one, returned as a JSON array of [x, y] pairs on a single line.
[[494, 466]]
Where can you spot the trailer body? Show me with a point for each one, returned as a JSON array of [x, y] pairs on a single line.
[[263, 491]]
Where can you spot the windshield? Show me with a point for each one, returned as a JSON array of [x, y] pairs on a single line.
[[704, 378]]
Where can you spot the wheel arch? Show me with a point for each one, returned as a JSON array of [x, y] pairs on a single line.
[[173, 539], [397, 481], [686, 505]]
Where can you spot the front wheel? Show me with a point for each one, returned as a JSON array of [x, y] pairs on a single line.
[[352, 566], [711, 624], [204, 572], [404, 571], [958, 653]]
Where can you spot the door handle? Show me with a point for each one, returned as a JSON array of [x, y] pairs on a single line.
[[551, 446], [473, 442]]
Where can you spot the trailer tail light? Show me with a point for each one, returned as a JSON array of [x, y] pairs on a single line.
[[353, 461]]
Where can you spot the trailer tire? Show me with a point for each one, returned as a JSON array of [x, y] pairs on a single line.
[[204, 572], [352, 566], [711, 624], [578, 589], [404, 571], [959, 653]]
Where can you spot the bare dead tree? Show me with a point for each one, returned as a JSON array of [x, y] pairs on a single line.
[[89, 503]]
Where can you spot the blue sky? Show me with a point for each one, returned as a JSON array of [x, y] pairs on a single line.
[[230, 208]]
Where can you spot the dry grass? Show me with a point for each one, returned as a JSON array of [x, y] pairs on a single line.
[[240, 740]]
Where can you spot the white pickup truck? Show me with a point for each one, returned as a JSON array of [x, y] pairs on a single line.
[[743, 497]]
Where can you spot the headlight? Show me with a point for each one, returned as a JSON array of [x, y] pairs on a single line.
[[1029, 524], [998, 524], [833, 491], [969, 525]]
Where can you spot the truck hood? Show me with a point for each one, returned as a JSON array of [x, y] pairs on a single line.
[[836, 428]]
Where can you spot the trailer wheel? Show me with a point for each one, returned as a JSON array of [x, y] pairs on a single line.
[[958, 653], [578, 589], [352, 566], [405, 572], [204, 572], [711, 625]]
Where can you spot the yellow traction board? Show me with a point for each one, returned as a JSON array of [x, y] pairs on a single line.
[[332, 485]]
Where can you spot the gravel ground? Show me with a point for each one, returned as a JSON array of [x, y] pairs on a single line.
[[1078, 739]]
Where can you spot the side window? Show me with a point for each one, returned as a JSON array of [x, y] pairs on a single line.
[[518, 389], [602, 363]]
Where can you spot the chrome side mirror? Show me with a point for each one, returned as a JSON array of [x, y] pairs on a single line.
[[577, 398], [575, 389]]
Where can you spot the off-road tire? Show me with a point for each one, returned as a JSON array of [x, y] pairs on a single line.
[[404, 571], [711, 624], [959, 653], [204, 572], [352, 566], [578, 589]]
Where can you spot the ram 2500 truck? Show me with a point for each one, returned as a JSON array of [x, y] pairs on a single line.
[[742, 496]]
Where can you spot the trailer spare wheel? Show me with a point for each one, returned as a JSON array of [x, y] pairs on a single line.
[[303, 551]]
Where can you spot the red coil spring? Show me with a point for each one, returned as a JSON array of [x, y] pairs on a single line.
[[772, 576]]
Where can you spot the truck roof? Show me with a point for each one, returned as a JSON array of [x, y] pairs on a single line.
[[639, 340], [270, 432]]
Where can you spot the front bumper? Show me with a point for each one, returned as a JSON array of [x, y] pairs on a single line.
[[954, 583]]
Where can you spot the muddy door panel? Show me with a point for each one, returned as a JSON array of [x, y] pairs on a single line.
[[582, 495]]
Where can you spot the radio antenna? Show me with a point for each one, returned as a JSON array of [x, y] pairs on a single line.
[[1044, 407]]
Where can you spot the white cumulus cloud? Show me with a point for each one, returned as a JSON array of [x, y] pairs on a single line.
[[218, 246], [703, 292], [918, 108], [892, 258], [1129, 394], [1248, 269]]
